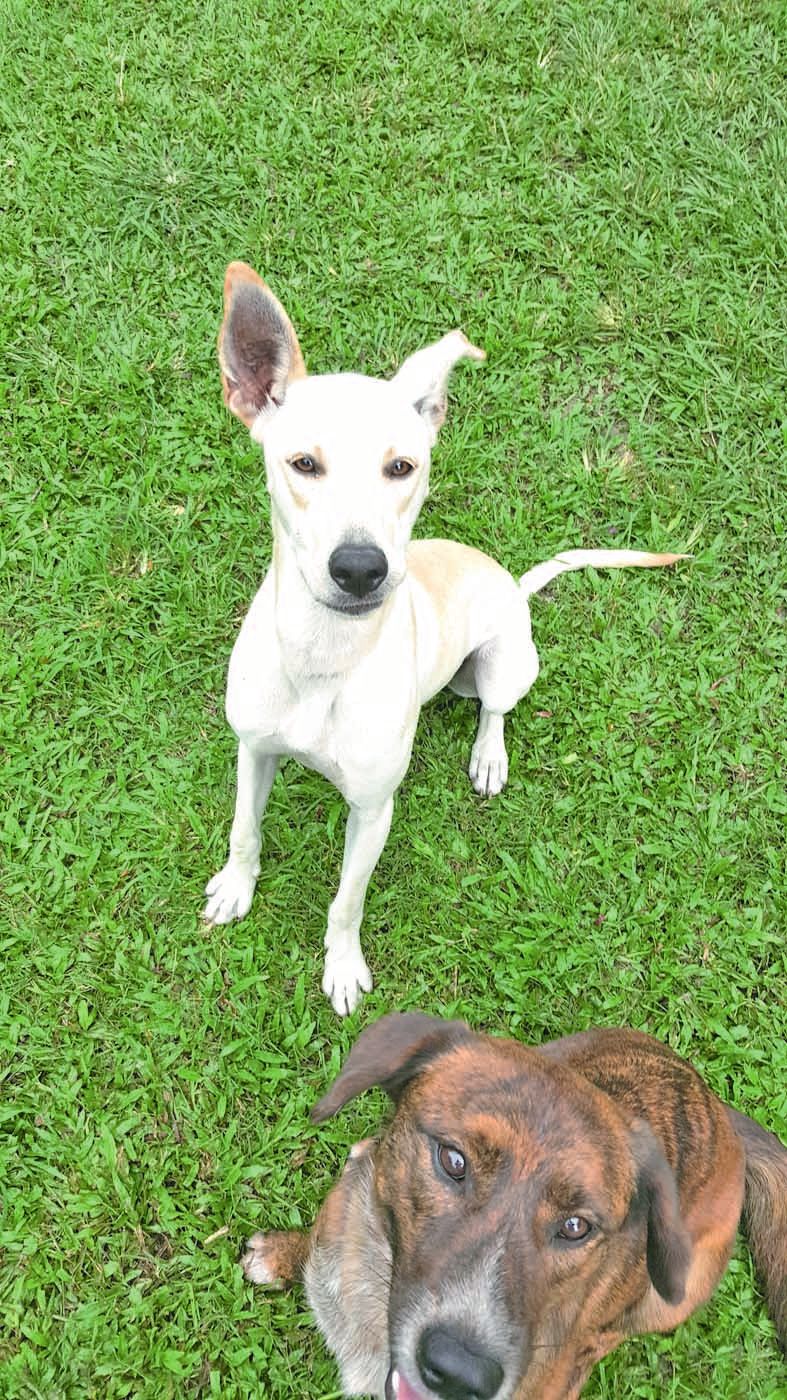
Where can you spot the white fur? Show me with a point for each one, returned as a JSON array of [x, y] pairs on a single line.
[[340, 693], [471, 1304]]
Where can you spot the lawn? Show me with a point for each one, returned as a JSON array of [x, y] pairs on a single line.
[[595, 193]]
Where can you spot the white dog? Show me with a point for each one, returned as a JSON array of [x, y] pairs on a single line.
[[354, 627]]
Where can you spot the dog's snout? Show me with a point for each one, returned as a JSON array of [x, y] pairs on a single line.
[[455, 1370], [358, 568]]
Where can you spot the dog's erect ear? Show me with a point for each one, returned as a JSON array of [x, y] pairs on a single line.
[[389, 1052], [258, 349], [668, 1246], [423, 378]]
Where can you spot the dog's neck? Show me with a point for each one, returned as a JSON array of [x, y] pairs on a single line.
[[317, 644]]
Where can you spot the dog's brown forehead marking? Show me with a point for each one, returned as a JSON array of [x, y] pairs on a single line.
[[499, 1096], [504, 1079]]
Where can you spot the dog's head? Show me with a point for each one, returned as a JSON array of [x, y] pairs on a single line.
[[525, 1212], [347, 456]]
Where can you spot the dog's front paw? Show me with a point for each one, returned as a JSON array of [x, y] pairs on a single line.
[[273, 1257], [229, 894], [488, 768], [345, 979]]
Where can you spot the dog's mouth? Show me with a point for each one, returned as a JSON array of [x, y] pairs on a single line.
[[360, 607], [397, 1388]]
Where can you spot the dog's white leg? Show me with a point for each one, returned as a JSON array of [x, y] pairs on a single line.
[[346, 975], [489, 761], [505, 669], [231, 891]]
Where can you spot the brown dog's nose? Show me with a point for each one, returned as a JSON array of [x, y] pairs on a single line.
[[454, 1370], [358, 568]]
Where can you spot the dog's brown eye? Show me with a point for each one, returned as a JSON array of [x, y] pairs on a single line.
[[306, 465], [399, 467], [452, 1162], [575, 1228]]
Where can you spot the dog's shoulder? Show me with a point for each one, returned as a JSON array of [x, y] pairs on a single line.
[[347, 1278]]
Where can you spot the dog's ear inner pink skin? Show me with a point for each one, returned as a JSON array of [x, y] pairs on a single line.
[[259, 352], [389, 1053]]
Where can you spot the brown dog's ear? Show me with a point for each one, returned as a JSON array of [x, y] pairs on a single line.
[[389, 1052], [668, 1244], [258, 349], [423, 378]]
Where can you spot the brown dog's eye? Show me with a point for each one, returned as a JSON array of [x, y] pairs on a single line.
[[306, 465], [452, 1162], [399, 468], [575, 1228]]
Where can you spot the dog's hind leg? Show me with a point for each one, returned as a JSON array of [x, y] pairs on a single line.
[[488, 759], [231, 891], [346, 974], [275, 1258], [504, 670]]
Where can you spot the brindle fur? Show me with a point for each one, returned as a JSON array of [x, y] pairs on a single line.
[[610, 1124]]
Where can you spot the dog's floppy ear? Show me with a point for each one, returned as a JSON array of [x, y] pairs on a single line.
[[424, 376], [668, 1244], [258, 349], [389, 1052]]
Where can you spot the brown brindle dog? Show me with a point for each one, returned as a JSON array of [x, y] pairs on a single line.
[[525, 1211]]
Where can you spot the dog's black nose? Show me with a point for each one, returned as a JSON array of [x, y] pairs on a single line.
[[358, 568], [454, 1370]]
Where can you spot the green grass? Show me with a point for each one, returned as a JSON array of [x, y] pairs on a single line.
[[596, 194]]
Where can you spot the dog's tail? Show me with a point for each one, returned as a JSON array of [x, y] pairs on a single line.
[[537, 578], [765, 1213]]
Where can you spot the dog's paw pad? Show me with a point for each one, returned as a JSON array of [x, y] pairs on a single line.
[[261, 1260], [345, 979], [229, 895]]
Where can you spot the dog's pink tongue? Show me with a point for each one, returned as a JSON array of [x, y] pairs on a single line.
[[405, 1391]]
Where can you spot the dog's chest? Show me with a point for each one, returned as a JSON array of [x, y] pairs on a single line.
[[313, 731], [353, 744], [356, 728], [355, 740]]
